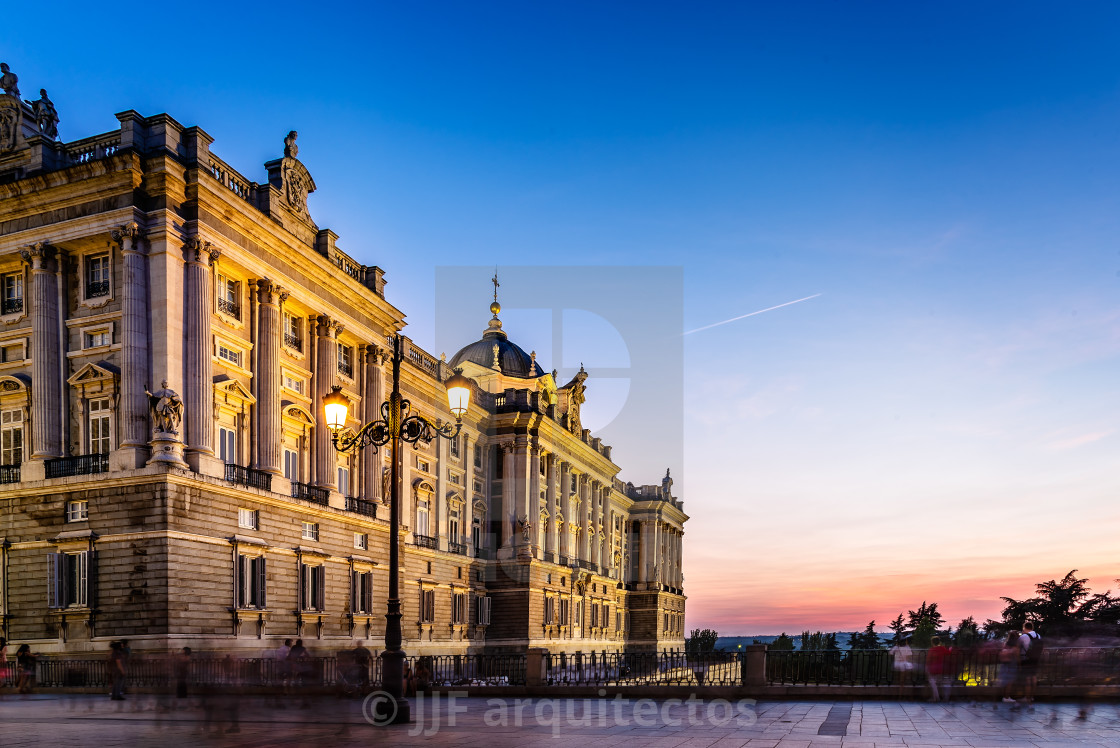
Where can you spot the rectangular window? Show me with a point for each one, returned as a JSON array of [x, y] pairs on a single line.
[[483, 610], [455, 447], [97, 276], [565, 607], [229, 296], [427, 606], [361, 592], [453, 526], [477, 456], [11, 437], [99, 426], [68, 576], [291, 464], [361, 541], [293, 337], [248, 518], [454, 478], [423, 466], [11, 353], [422, 518], [96, 339], [549, 611], [310, 531], [578, 614], [250, 581], [293, 383], [478, 487], [226, 353], [459, 607], [227, 446], [346, 361], [77, 511], [313, 580], [594, 615], [476, 534], [344, 481], [12, 288], [617, 621]]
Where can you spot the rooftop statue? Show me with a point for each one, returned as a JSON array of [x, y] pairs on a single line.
[[291, 150], [46, 116], [8, 80]]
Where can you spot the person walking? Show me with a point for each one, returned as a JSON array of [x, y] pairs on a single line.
[[902, 660], [117, 670], [25, 662], [1030, 659], [182, 672], [1009, 667], [937, 664], [3, 662]]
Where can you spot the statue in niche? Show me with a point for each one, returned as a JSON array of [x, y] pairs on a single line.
[[525, 526], [386, 478], [291, 150], [46, 116], [8, 80], [167, 409]]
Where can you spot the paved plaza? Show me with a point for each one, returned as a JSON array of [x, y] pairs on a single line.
[[66, 720]]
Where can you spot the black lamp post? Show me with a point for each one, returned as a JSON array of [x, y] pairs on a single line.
[[394, 426]]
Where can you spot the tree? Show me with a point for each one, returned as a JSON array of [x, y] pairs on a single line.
[[701, 640], [818, 642], [782, 644], [867, 639], [925, 612], [968, 633], [1062, 608], [898, 627]]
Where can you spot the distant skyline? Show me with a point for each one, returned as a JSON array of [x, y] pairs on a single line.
[[938, 422]]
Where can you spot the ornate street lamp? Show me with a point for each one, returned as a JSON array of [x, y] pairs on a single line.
[[394, 426]]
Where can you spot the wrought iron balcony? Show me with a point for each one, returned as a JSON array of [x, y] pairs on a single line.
[[425, 541], [11, 306], [80, 465], [562, 560], [9, 473], [97, 288], [589, 566], [345, 369], [293, 341], [483, 553], [460, 548], [311, 493], [225, 306], [368, 508], [550, 557], [246, 476]]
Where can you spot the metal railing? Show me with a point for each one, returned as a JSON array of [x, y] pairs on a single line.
[[562, 560], [97, 288], [293, 341], [426, 541], [549, 556], [64, 467], [9, 473], [644, 669], [247, 476], [454, 547], [11, 306], [368, 508], [345, 369], [589, 566], [311, 493], [483, 553], [225, 306]]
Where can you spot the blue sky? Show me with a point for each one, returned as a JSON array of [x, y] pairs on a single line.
[[945, 176]]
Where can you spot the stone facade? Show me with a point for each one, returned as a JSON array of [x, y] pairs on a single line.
[[138, 257]]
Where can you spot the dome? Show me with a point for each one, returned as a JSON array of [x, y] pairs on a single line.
[[512, 360]]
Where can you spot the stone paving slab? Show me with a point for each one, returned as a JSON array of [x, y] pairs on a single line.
[[68, 720]]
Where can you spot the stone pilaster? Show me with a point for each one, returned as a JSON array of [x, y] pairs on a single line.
[[508, 514], [198, 371], [266, 378], [533, 508], [551, 538], [324, 474], [132, 410], [46, 395], [372, 398], [565, 535]]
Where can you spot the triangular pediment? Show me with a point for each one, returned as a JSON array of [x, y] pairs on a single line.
[[99, 371], [230, 387]]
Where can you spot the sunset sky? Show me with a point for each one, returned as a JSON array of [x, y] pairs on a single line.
[[939, 422]]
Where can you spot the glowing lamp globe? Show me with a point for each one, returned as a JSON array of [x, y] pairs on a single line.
[[458, 394], [336, 407]]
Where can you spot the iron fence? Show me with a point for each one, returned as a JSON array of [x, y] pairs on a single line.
[[247, 476], [368, 508], [644, 669], [311, 493], [63, 467]]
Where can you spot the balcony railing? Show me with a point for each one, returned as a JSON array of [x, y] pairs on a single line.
[[368, 508], [424, 541], [346, 369], [97, 288], [589, 566], [11, 306], [311, 493], [550, 557], [246, 476], [293, 341], [562, 560], [483, 553], [81, 465], [9, 473], [460, 548], [225, 306]]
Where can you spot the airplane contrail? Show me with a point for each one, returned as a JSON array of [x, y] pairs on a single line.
[[744, 316]]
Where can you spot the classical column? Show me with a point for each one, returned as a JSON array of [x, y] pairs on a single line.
[[198, 373], [508, 517], [371, 411], [46, 395], [552, 544], [266, 378], [585, 517], [593, 522], [564, 546], [645, 562], [326, 374], [533, 505]]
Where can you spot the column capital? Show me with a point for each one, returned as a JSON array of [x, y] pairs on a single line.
[[37, 255], [372, 353], [127, 235], [200, 251], [268, 292]]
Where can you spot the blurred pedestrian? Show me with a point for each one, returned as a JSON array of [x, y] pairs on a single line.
[[1030, 659], [25, 662], [116, 670], [182, 672], [937, 665], [1009, 667], [4, 676], [903, 663], [363, 659]]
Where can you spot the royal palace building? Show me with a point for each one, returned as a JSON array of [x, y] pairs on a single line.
[[168, 331]]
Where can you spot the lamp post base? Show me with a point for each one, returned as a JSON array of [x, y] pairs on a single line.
[[392, 710]]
